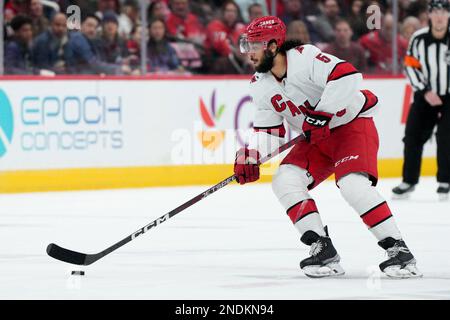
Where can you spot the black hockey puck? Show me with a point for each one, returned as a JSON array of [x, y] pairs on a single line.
[[78, 273]]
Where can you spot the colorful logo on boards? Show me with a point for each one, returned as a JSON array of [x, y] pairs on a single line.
[[211, 138]]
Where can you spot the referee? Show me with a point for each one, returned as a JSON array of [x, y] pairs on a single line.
[[427, 67]]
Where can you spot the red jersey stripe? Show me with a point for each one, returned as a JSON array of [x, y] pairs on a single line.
[[371, 100], [342, 69]]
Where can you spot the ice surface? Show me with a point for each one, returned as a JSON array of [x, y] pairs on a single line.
[[236, 244]]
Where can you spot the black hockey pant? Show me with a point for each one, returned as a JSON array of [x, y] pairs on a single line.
[[421, 121]]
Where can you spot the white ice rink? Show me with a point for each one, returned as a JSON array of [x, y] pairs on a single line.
[[236, 244]]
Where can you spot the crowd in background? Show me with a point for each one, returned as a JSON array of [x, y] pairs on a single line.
[[192, 36]]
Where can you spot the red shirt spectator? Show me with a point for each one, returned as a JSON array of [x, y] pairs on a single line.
[[378, 46], [183, 24], [17, 7], [14, 8], [223, 35]]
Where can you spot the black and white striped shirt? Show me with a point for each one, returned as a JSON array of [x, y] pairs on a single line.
[[425, 62]]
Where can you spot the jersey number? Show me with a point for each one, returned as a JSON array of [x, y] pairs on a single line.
[[323, 58]]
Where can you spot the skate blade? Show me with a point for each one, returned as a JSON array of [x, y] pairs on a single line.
[[409, 271], [328, 270]]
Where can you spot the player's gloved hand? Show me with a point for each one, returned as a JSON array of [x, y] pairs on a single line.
[[316, 124], [246, 165]]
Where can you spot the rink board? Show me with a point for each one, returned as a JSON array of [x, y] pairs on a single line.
[[95, 133]]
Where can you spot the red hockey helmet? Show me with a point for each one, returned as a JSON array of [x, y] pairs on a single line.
[[260, 32]]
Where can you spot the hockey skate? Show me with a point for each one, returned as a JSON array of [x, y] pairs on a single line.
[[401, 263], [324, 260], [443, 191], [403, 191]]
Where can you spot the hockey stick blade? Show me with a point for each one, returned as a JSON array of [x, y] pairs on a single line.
[[73, 257], [65, 255]]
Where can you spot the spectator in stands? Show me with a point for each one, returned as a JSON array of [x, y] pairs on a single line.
[[206, 12], [50, 47], [245, 7], [293, 11], [158, 9], [255, 11], [297, 30], [409, 26], [107, 6], [357, 19], [36, 13], [161, 56], [378, 47], [189, 35], [324, 23], [50, 8], [14, 8], [344, 48], [83, 57], [223, 40], [134, 50], [18, 55], [128, 18], [419, 9], [182, 24], [403, 6], [111, 46]]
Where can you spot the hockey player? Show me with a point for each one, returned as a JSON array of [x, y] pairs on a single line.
[[318, 95]]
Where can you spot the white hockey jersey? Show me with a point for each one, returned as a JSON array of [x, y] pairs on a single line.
[[315, 80]]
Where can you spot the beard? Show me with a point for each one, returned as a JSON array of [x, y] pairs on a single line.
[[266, 62]]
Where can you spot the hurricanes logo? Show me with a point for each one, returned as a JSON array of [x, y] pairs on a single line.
[[212, 138], [6, 123]]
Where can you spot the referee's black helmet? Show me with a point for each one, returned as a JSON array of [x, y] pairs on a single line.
[[438, 4]]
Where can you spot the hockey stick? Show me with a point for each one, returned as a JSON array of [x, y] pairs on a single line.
[[84, 259]]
